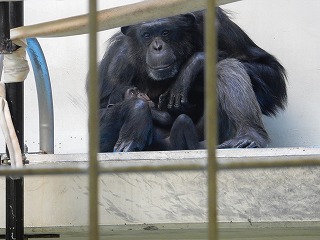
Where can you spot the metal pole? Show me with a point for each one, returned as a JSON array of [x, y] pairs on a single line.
[[15, 186], [44, 92], [64, 167], [211, 117], [1, 62], [93, 123], [110, 18], [5, 43]]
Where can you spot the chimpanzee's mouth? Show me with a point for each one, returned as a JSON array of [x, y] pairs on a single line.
[[159, 68], [163, 72]]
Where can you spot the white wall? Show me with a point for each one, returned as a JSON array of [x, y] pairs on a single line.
[[289, 29], [67, 60]]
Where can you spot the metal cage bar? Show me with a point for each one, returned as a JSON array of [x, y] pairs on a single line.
[[15, 99], [222, 164], [93, 123], [112, 18], [211, 119]]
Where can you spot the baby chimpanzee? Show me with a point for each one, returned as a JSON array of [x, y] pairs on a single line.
[[181, 136]]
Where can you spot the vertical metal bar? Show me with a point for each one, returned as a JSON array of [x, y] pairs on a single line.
[[5, 43], [93, 123], [1, 61], [15, 186], [211, 117], [14, 208], [15, 91], [4, 31], [4, 20]]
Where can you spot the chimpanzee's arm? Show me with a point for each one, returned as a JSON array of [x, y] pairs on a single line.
[[177, 96], [161, 117], [115, 71]]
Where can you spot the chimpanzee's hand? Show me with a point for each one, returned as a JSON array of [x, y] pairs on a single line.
[[176, 98]]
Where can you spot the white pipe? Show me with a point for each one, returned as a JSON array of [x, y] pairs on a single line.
[[8, 130], [112, 18]]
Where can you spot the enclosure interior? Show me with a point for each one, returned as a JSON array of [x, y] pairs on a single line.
[[286, 28]]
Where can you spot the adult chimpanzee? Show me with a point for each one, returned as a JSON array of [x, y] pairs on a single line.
[[166, 135], [165, 60]]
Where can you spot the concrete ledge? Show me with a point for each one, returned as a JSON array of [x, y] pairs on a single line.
[[178, 155], [248, 196], [234, 231]]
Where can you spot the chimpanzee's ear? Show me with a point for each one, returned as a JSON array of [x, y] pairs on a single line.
[[125, 30], [190, 19]]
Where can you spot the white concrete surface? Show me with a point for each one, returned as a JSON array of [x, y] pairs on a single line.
[[256, 196], [289, 29]]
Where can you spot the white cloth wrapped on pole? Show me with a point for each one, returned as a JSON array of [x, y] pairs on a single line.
[[15, 69], [15, 65]]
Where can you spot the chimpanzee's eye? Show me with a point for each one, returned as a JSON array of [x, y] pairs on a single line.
[[146, 35], [165, 32]]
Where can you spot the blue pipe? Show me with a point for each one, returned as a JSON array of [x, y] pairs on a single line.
[[44, 92]]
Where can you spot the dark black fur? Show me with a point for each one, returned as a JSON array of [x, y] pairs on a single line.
[[165, 60], [266, 73], [167, 134]]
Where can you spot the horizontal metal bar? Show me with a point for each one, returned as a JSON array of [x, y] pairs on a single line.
[[187, 165], [109, 18], [112, 18], [34, 170]]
